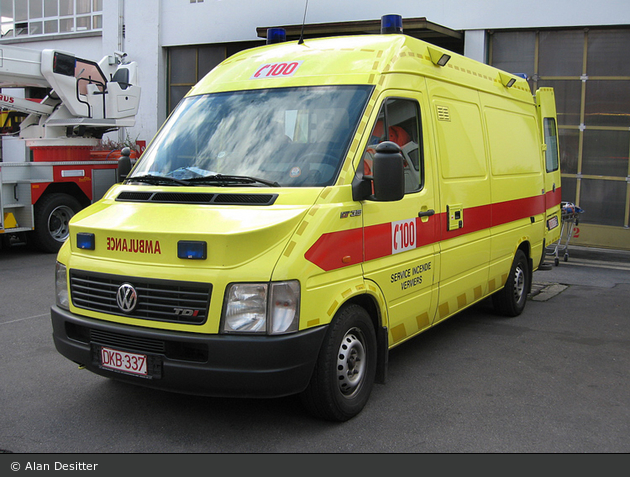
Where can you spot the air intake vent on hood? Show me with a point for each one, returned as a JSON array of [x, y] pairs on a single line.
[[182, 197], [235, 199], [197, 198]]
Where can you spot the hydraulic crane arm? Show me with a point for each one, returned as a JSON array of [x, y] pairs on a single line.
[[24, 105], [86, 98]]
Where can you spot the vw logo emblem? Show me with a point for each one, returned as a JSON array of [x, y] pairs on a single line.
[[126, 297]]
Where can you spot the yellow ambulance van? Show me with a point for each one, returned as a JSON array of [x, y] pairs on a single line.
[[307, 207]]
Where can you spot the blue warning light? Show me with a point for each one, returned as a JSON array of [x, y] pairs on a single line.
[[391, 24], [276, 35]]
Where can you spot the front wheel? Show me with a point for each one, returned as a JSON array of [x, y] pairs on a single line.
[[344, 373], [511, 299], [52, 214]]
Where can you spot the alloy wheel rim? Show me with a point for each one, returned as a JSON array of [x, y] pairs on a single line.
[[519, 283], [58, 223]]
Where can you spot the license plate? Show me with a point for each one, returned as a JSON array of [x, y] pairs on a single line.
[[131, 363]]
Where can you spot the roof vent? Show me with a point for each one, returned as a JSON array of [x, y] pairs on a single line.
[[443, 113]]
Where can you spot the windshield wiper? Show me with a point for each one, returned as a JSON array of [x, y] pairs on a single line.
[[211, 179], [227, 179], [151, 179]]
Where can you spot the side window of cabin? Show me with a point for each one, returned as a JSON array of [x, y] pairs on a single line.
[[399, 122], [551, 140]]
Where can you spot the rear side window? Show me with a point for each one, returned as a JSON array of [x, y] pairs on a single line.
[[551, 140]]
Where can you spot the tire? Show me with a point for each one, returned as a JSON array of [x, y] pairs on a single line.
[[344, 373], [52, 214], [511, 299]]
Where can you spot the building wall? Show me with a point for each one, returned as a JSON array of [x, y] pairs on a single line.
[[213, 21], [142, 43]]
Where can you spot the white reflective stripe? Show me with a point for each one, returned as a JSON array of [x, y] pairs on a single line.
[[73, 173]]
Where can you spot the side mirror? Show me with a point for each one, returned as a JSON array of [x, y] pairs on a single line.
[[124, 164], [388, 173]]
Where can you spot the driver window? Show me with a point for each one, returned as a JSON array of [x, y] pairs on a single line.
[[398, 121]]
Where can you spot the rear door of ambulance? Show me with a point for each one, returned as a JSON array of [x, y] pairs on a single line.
[[400, 237], [546, 103]]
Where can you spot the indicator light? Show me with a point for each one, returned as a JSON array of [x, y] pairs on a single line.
[[507, 80], [85, 241], [438, 57], [191, 250]]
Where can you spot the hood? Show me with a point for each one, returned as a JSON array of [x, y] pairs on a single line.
[[141, 230]]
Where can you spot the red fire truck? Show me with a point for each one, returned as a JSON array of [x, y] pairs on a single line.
[[85, 99]]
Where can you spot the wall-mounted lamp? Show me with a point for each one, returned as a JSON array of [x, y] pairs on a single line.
[[507, 80], [438, 57]]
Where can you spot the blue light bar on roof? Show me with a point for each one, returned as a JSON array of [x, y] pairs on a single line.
[[391, 24], [276, 35]]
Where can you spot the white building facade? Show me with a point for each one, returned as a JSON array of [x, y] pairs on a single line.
[[578, 47]]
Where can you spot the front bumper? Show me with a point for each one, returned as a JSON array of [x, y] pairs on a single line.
[[210, 365]]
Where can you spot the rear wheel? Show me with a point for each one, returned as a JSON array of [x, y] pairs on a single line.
[[344, 373], [511, 299], [52, 215]]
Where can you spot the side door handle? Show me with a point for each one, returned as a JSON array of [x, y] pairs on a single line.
[[426, 213]]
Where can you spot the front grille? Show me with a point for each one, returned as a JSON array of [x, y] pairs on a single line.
[[180, 350], [158, 300], [121, 341]]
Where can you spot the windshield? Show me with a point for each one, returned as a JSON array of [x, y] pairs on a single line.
[[295, 137]]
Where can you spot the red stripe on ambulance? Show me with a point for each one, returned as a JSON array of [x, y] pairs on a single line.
[[553, 198], [385, 239]]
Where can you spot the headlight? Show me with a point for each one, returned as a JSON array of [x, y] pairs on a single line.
[[262, 308], [284, 307], [245, 308], [61, 286]]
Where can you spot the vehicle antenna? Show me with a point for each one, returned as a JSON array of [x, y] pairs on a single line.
[[301, 40]]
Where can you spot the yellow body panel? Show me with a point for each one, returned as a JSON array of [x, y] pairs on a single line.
[[483, 159]]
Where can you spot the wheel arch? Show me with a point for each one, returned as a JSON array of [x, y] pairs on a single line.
[[372, 302], [526, 247], [51, 216], [70, 188]]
